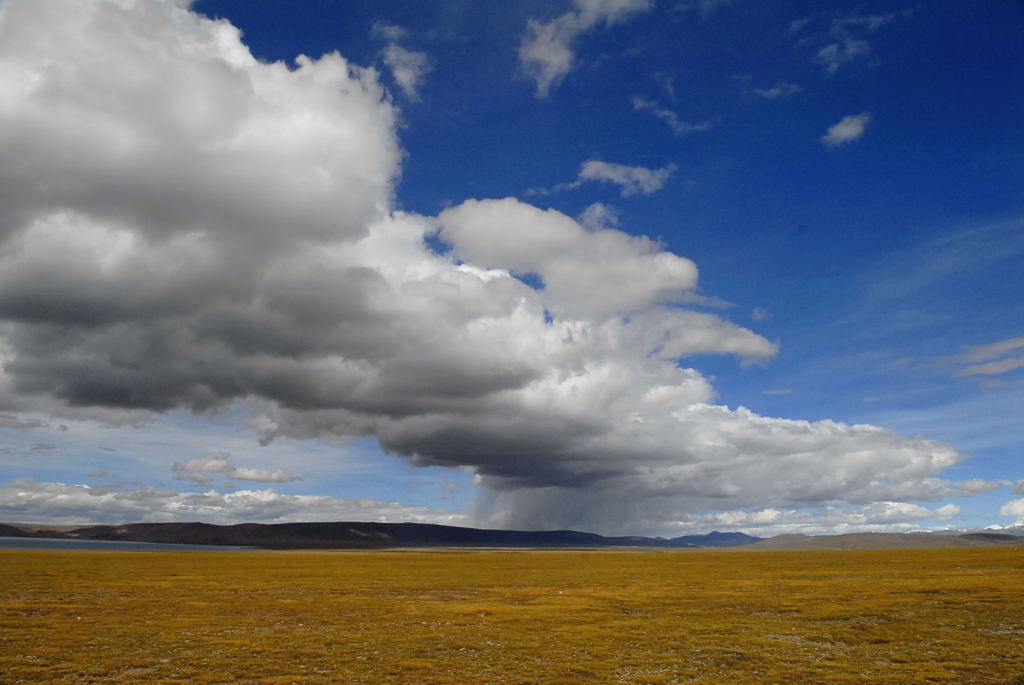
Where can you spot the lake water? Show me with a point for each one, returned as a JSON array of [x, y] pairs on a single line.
[[106, 545]]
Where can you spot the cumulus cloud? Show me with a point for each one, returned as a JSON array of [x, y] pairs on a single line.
[[24, 499], [847, 130], [670, 118], [546, 53], [185, 227]]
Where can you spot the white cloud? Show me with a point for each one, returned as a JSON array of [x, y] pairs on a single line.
[[408, 68], [896, 517], [870, 22], [207, 464], [98, 473], [11, 422], [847, 130], [262, 475], [779, 90], [842, 52], [992, 368], [24, 499], [599, 216], [705, 7], [990, 355], [546, 52], [977, 353], [1018, 488], [223, 465], [760, 314], [186, 227], [798, 25], [1014, 508], [845, 41], [634, 180], [777, 391], [678, 126], [389, 32], [194, 478]]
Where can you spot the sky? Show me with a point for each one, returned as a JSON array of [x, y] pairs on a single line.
[[627, 266]]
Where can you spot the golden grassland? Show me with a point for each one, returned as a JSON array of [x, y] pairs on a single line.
[[911, 616]]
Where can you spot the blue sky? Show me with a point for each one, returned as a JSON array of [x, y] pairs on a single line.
[[408, 281]]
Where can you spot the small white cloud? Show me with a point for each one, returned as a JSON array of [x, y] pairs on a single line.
[[842, 52], [1014, 508], [844, 42], [977, 353], [849, 129], [98, 473], [193, 478], [262, 475], [779, 90], [994, 360], [678, 126], [206, 464], [778, 391], [634, 180], [546, 52], [976, 486], [407, 68], [798, 25], [1018, 489], [870, 22], [760, 314], [599, 216], [705, 7], [386, 31], [947, 512], [222, 464], [992, 368]]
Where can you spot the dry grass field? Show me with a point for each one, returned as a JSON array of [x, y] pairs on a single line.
[[912, 616]]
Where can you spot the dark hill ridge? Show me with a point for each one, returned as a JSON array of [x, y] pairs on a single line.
[[717, 539], [360, 535]]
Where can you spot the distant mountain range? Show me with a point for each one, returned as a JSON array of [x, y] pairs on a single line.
[[361, 535], [851, 541]]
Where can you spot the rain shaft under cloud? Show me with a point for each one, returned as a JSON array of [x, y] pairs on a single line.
[[182, 225]]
